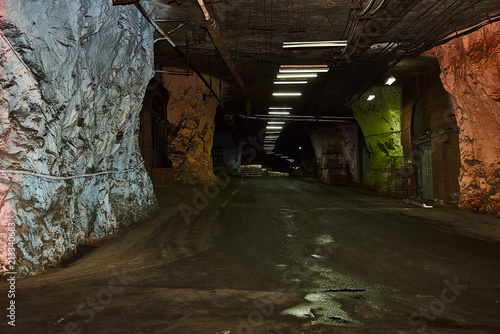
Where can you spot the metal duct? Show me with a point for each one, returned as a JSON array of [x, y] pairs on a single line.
[[220, 45]]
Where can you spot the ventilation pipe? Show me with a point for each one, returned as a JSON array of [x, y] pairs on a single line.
[[215, 34]]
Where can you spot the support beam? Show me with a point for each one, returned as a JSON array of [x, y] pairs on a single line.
[[174, 46], [220, 45]]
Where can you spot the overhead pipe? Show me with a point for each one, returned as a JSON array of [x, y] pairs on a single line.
[[220, 45], [174, 46]]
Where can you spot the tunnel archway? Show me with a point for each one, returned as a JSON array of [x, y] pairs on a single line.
[[153, 133]]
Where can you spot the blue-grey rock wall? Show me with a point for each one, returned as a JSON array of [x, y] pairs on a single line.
[[72, 79]]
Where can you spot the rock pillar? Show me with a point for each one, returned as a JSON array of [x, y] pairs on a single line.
[[72, 78], [380, 121], [470, 72], [191, 113]]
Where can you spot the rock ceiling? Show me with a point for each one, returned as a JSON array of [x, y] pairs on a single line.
[[380, 34]]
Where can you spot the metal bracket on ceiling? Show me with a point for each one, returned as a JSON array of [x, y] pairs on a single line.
[[165, 36]]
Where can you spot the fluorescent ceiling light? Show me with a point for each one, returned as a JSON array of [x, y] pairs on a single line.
[[314, 44], [279, 113], [287, 94], [274, 127], [280, 108], [290, 82], [272, 122], [303, 66], [296, 76], [390, 81], [272, 132], [371, 97], [272, 137], [304, 70]]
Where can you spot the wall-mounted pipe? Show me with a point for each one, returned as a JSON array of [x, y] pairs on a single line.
[[220, 45]]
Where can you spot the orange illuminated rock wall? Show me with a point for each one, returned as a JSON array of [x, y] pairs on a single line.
[[191, 113], [470, 72]]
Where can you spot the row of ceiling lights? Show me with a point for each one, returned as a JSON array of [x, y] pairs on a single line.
[[290, 75], [293, 75]]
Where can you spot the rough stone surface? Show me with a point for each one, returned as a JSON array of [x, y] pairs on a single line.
[[335, 148], [380, 121], [191, 113], [72, 79], [470, 72]]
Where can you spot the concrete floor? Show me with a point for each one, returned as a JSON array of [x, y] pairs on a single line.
[[280, 255]]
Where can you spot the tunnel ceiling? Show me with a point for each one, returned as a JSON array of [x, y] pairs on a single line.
[[254, 31]]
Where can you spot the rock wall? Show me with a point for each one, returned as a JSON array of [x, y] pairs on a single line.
[[191, 113], [335, 148], [72, 78], [470, 72], [380, 122]]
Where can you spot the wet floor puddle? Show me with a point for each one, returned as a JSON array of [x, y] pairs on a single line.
[[324, 308]]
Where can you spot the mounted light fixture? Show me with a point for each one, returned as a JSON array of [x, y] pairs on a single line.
[[291, 82], [280, 108], [272, 122], [390, 81], [273, 133], [297, 76], [314, 44], [371, 97], [303, 68], [274, 127], [303, 71], [287, 94], [279, 113]]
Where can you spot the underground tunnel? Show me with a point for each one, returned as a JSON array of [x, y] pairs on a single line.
[[256, 166]]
